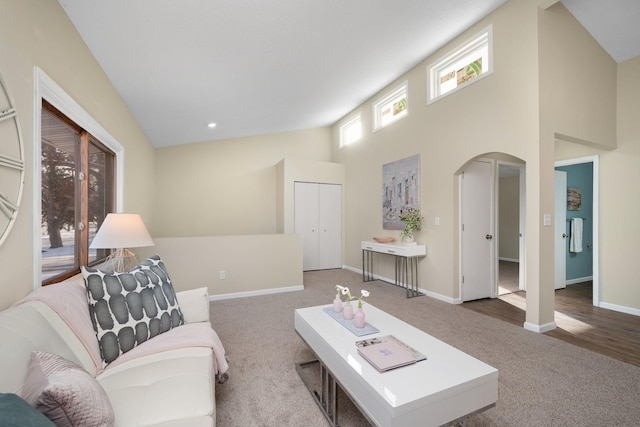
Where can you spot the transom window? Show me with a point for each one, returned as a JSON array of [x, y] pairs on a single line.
[[391, 107], [351, 130], [463, 66]]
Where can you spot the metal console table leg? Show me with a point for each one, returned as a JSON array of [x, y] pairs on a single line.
[[407, 275], [367, 266]]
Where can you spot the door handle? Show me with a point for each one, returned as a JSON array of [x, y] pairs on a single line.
[[565, 235], [488, 237]]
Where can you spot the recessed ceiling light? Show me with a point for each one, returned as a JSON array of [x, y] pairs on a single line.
[[211, 125]]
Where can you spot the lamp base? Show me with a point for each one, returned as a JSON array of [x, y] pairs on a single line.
[[120, 261]]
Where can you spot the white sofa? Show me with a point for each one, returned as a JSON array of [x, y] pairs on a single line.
[[170, 386]]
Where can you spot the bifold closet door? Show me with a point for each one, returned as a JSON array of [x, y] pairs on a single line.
[[318, 220], [330, 226], [306, 222]]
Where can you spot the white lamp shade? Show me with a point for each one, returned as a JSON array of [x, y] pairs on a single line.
[[121, 230]]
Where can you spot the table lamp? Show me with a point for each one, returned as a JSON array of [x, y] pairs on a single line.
[[121, 231]]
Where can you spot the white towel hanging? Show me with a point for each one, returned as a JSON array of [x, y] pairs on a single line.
[[575, 242]]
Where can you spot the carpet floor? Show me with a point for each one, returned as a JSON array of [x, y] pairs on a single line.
[[542, 381]]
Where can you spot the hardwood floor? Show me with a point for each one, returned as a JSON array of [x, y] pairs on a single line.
[[578, 322]]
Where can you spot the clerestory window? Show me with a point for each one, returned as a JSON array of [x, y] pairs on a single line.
[[462, 66], [390, 108], [351, 130]]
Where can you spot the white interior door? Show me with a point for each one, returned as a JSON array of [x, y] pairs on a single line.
[[330, 226], [318, 220], [477, 231], [560, 230], [522, 271], [306, 222]]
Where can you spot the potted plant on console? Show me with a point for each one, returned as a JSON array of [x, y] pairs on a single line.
[[412, 222]]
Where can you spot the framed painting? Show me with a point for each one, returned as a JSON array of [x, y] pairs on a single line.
[[574, 199], [400, 190]]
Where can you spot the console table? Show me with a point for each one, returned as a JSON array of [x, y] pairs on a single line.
[[406, 258]]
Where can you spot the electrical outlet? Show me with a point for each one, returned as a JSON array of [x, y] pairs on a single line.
[[223, 274]]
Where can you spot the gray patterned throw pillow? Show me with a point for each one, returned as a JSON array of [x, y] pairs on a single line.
[[129, 308]]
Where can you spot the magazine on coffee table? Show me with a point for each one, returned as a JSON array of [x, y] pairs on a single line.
[[388, 352]]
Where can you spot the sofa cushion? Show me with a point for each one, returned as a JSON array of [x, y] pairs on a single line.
[[65, 392], [129, 308], [16, 412], [34, 326], [173, 387]]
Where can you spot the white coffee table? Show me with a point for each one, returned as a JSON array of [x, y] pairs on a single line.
[[448, 386]]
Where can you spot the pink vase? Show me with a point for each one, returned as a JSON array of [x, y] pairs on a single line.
[[358, 319], [337, 304], [348, 310]]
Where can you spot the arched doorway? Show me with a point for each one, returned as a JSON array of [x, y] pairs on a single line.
[[482, 228]]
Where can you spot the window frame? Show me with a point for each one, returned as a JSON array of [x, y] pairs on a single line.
[[399, 92], [356, 119], [47, 89], [81, 167], [474, 45]]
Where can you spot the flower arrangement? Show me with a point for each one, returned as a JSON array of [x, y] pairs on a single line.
[[412, 221], [363, 294], [344, 291]]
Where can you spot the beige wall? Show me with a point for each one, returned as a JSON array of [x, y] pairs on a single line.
[[37, 33], [509, 218], [578, 80], [619, 197], [587, 102], [252, 265], [498, 114], [536, 93], [228, 187], [620, 203]]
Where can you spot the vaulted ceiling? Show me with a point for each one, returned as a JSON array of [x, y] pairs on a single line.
[[258, 67]]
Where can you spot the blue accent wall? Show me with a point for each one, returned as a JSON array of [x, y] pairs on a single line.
[[580, 176]]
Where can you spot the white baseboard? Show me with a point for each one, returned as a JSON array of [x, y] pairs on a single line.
[[375, 276], [620, 308], [355, 270], [254, 293], [529, 326], [424, 291], [540, 328], [441, 297], [579, 280]]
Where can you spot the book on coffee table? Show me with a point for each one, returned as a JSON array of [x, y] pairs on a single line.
[[387, 352]]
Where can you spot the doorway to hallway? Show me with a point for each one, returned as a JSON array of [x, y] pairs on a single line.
[[508, 277], [582, 182], [492, 222]]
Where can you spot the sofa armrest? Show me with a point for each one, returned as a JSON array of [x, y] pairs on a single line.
[[194, 305]]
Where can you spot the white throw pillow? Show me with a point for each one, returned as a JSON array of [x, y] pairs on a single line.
[[194, 305]]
